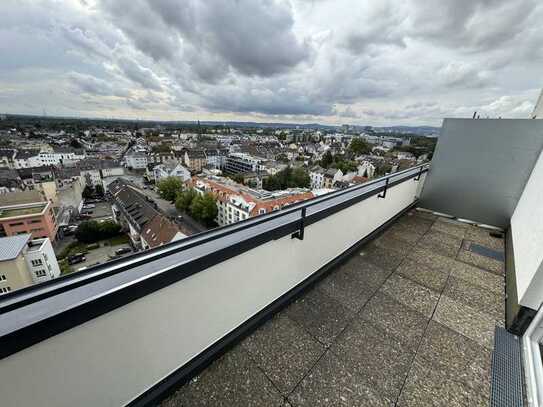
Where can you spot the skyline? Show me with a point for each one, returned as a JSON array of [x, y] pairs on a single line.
[[392, 63]]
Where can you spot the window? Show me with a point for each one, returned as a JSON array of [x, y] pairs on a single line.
[[2, 277], [36, 230], [261, 211], [4, 290], [16, 224], [35, 221], [37, 262], [40, 273]]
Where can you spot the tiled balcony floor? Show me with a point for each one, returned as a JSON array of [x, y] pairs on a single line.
[[407, 321]]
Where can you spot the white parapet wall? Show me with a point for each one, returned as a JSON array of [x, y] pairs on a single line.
[[112, 359], [527, 236]]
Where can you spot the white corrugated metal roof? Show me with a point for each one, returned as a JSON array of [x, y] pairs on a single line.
[[11, 246]]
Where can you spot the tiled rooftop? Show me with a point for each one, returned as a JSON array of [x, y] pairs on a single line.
[[406, 321]]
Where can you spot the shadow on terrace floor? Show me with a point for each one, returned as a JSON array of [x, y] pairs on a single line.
[[408, 321]]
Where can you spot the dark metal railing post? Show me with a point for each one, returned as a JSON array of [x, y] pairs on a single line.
[[300, 233], [384, 193], [417, 178]]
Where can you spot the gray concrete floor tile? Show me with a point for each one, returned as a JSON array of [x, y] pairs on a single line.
[[428, 386], [482, 236], [431, 259], [463, 358], [390, 243], [411, 294], [441, 243], [332, 383], [451, 227], [415, 223], [477, 276], [321, 315], [395, 319], [424, 214], [378, 357], [284, 351], [466, 320], [385, 258], [476, 297], [481, 261], [232, 380], [354, 283], [434, 279], [401, 232]]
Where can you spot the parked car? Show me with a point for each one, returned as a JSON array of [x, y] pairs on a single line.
[[76, 258], [123, 250]]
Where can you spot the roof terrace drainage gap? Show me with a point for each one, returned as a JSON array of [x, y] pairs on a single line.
[[485, 251]]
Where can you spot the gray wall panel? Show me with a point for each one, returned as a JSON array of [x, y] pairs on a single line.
[[480, 168]]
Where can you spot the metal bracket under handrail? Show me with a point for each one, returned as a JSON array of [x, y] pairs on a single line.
[[300, 233], [417, 178], [384, 193]]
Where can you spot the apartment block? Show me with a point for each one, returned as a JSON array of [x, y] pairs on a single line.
[[24, 261]]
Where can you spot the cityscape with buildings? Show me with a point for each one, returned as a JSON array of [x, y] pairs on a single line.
[[99, 191]]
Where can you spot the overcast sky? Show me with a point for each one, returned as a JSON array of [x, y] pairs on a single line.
[[329, 61]]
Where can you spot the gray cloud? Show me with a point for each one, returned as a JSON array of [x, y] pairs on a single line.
[[367, 62]]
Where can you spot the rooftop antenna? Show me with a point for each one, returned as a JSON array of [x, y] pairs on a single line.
[[44, 112], [474, 114]]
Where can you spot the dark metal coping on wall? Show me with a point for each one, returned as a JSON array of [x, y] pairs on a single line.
[[35, 313]]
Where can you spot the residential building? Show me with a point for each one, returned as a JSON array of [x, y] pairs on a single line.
[[134, 212], [93, 171], [158, 231], [27, 212], [24, 262], [216, 158], [316, 175], [238, 163], [61, 155], [195, 160], [366, 169], [236, 202], [7, 157], [27, 158], [170, 169], [136, 159], [331, 176]]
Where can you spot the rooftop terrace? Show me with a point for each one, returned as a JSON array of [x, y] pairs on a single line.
[[9, 213], [408, 320]]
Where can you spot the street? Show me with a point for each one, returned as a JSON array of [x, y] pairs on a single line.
[[187, 223]]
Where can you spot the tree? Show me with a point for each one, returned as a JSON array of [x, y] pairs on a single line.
[[359, 146], [287, 178], [88, 231], [88, 192], [99, 190], [75, 143], [92, 231], [204, 208], [184, 200], [169, 188], [327, 159], [109, 229]]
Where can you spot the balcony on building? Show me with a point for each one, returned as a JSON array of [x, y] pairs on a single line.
[[418, 288]]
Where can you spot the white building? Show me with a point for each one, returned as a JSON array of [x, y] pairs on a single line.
[[366, 169], [24, 262], [170, 170], [136, 160], [61, 156], [41, 260], [316, 175]]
